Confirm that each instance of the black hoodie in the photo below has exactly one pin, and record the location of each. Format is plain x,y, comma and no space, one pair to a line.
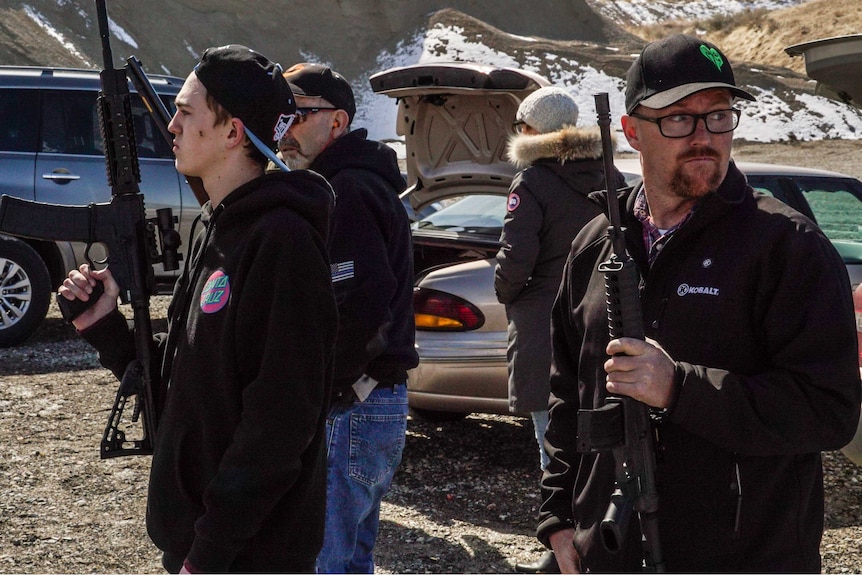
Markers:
372,261
238,480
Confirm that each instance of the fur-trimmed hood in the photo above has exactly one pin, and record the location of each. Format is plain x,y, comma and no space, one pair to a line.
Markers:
570,143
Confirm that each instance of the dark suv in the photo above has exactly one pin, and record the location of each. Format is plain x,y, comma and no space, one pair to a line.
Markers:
51,151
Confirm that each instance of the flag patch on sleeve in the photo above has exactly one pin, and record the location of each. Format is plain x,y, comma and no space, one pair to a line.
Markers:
341,271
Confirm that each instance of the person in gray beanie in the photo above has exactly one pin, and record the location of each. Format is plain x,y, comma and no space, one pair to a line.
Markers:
548,109
560,164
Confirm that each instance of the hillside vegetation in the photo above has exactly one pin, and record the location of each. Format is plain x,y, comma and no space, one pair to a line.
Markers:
168,35
760,36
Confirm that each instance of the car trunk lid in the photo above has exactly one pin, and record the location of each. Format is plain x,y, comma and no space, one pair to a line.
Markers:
456,118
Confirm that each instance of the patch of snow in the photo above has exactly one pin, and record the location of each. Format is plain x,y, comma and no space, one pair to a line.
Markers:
654,11
43,23
772,118
120,34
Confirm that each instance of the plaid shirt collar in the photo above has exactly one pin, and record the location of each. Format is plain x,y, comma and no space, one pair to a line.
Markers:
654,238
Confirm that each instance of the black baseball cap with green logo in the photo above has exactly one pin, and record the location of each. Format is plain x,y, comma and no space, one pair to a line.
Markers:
668,70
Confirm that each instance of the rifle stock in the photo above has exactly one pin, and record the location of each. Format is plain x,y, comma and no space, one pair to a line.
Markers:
120,224
623,424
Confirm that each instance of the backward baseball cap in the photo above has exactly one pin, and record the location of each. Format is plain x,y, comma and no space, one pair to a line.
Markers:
670,69
250,87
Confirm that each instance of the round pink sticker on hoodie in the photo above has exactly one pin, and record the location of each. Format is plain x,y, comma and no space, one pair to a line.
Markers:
216,292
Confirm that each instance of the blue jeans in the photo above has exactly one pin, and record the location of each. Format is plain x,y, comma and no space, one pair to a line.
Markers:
365,442
540,424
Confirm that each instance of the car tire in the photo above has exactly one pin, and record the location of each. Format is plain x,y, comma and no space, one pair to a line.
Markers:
433,416
25,291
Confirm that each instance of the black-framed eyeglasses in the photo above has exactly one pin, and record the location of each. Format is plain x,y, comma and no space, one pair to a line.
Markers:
518,126
683,125
302,114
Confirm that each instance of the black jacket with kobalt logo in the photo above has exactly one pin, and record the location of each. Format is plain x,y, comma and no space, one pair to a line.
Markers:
753,303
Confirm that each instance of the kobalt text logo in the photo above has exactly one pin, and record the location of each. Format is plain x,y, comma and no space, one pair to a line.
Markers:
685,289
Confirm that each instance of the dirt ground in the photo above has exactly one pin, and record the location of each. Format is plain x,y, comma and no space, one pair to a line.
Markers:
464,499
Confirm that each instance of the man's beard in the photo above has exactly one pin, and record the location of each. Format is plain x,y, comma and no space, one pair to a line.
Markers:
295,160
690,187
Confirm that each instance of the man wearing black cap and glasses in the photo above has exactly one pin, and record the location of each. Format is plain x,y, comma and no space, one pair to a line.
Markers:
238,472
749,371
372,274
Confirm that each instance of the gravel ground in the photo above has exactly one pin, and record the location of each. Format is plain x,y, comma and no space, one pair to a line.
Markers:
463,501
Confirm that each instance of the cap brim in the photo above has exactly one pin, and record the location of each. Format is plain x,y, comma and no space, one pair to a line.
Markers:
674,95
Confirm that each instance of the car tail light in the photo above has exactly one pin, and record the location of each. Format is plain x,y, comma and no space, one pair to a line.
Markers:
441,311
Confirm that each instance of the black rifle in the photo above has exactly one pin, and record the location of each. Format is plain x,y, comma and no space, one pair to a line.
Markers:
129,236
623,424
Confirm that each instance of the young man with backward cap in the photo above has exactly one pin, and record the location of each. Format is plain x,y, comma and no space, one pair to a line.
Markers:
372,274
239,465
749,367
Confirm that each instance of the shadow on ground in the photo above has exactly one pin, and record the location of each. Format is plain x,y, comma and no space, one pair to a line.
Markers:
466,487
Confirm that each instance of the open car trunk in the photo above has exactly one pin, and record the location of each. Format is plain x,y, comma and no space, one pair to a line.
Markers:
456,119
835,63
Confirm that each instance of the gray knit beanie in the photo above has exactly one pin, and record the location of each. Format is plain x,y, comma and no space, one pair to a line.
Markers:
548,109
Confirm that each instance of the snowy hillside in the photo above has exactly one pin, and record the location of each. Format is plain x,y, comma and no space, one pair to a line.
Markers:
652,11
777,115
784,111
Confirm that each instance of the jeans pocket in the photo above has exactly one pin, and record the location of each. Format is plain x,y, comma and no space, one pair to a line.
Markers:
376,444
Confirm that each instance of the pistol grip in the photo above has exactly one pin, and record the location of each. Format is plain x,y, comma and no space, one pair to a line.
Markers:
71,309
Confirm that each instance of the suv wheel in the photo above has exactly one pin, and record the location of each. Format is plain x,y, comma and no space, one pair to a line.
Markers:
25,291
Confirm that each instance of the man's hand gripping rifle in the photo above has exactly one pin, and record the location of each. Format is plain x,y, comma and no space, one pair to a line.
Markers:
623,424
129,236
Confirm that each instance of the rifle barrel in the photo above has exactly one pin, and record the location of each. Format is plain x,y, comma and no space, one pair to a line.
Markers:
603,111
102,13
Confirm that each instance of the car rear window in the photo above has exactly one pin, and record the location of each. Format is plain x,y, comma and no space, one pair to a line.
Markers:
837,206
477,214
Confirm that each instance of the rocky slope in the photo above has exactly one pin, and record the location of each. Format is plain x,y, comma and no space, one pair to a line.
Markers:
757,35
584,45
168,35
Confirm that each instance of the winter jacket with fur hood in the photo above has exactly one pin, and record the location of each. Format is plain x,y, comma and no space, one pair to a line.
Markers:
547,207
